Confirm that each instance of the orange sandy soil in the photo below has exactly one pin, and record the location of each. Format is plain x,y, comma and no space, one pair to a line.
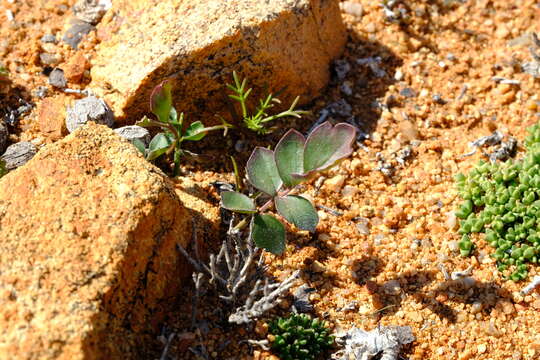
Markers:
410,228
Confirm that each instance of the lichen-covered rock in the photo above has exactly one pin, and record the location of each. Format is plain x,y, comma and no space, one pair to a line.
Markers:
18,154
88,259
88,109
279,45
134,132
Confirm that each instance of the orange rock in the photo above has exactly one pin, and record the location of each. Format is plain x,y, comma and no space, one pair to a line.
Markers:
278,45
75,68
88,259
51,116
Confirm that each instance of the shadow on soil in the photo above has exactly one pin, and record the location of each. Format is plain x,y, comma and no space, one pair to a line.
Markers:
366,102
413,284
14,103
131,315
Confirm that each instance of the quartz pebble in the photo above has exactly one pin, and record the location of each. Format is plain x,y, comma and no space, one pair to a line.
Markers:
352,8
134,132
57,78
88,109
18,154
335,183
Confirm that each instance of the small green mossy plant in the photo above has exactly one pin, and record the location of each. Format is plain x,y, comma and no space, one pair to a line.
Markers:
502,200
256,120
173,135
299,337
276,174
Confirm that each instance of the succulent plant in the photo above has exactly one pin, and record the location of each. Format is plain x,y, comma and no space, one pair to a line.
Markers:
170,140
277,173
255,121
502,200
299,337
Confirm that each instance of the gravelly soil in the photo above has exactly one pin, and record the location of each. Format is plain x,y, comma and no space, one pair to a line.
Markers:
429,91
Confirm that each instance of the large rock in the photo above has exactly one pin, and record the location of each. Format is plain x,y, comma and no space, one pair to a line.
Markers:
278,44
88,259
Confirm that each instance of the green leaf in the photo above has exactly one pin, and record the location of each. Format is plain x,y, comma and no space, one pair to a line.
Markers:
161,101
262,171
139,145
144,122
195,132
289,156
237,202
158,146
297,210
268,233
327,144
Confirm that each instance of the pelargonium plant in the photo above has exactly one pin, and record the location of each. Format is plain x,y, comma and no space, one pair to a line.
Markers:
174,134
276,174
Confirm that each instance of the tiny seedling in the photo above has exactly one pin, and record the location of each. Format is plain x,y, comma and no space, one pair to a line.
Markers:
255,121
3,169
173,135
277,174
299,337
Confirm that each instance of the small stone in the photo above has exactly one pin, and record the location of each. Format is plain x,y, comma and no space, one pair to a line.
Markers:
91,11
476,307
57,79
51,114
48,39
75,68
408,92
392,287
261,328
134,132
342,68
398,76
370,27
88,109
49,59
482,348
318,267
409,130
340,107
76,32
362,225
4,134
451,220
352,8
18,154
346,88
508,308
502,32
349,190
334,184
